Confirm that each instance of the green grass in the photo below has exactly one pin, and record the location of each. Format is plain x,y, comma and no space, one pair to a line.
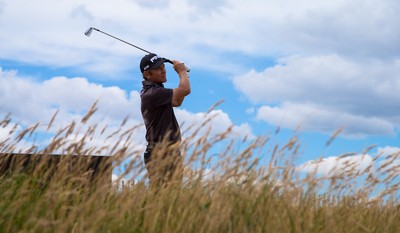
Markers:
244,195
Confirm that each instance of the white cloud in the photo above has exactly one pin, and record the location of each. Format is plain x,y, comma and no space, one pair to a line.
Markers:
216,122
355,28
153,4
208,7
29,102
349,48
321,119
334,78
32,101
388,150
2,5
82,11
383,166
37,102
6,130
332,166
327,92
200,33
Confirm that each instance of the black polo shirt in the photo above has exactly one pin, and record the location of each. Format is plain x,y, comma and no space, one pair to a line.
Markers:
158,113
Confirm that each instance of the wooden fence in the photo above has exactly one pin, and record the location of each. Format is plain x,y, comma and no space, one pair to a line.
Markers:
95,169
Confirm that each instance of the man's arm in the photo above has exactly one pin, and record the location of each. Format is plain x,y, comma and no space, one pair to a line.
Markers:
183,88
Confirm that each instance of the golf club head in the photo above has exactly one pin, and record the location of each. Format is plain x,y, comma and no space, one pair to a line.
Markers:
88,32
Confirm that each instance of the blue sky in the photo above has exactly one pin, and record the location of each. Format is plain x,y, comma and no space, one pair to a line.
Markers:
307,67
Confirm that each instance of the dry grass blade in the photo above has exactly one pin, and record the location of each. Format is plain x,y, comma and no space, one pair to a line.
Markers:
52,120
92,110
346,155
368,149
214,106
29,130
333,136
5,121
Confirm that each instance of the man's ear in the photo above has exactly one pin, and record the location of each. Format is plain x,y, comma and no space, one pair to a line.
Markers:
146,74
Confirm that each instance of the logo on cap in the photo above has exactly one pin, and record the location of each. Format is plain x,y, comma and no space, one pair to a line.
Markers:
150,61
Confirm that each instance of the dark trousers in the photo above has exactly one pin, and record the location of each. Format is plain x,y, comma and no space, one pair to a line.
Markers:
164,164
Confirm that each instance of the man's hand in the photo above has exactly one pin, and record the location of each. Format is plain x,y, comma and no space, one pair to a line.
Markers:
183,88
179,66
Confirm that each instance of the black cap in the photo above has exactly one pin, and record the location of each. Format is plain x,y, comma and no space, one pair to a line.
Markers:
151,61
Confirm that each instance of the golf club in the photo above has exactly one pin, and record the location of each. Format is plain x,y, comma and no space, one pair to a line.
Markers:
90,30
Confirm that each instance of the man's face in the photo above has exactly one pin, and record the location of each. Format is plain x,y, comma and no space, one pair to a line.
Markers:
157,75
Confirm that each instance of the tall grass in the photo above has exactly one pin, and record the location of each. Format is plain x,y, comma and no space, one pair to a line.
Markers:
253,189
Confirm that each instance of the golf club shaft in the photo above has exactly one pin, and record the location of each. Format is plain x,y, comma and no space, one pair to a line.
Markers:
126,42
89,31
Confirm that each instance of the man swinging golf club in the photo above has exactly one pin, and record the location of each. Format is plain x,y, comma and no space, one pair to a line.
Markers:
162,156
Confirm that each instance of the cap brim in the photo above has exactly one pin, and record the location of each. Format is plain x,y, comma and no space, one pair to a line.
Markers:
157,64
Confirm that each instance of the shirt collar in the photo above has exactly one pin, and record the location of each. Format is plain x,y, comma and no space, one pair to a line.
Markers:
148,84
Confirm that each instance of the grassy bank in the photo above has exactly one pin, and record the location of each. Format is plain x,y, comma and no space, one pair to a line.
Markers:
243,194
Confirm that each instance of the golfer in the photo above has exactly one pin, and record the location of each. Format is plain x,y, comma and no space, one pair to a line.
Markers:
162,156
